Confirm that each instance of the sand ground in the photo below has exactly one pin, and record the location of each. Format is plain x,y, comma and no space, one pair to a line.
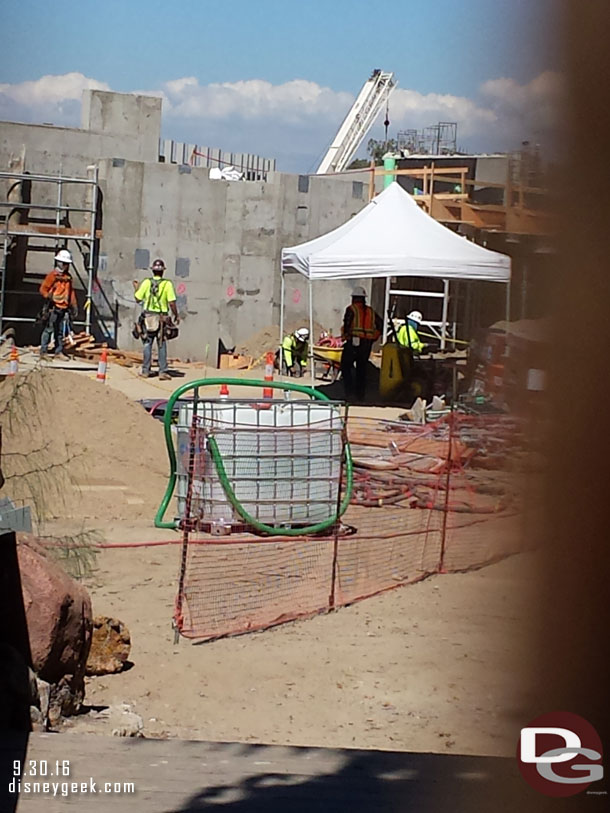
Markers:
434,666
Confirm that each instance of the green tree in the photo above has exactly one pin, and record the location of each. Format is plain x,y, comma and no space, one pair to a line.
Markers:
377,149
360,163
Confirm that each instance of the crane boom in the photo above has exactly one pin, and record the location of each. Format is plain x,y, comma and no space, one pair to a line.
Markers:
374,94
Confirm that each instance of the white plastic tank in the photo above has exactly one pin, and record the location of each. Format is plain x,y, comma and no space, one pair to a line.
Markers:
282,460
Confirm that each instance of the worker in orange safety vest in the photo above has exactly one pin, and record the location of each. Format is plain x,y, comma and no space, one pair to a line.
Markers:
361,327
60,305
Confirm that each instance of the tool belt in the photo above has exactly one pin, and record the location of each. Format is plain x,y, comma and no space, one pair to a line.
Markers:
150,322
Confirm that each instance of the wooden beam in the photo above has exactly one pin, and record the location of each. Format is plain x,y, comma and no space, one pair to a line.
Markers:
417,173
52,231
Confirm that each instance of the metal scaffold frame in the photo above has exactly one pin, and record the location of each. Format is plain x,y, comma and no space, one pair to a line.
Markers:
50,231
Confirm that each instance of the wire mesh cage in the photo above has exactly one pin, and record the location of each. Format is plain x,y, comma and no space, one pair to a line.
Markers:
242,463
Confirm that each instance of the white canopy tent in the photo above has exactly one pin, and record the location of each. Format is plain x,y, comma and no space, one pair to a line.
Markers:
392,237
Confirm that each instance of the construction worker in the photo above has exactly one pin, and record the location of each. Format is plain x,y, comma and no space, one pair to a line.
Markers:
60,304
158,297
361,327
295,350
408,335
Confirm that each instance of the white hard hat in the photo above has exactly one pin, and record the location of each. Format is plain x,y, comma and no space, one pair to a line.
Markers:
63,256
359,291
416,316
302,333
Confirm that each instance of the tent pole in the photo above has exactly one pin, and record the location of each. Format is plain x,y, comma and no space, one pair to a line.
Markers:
445,310
282,295
386,309
311,337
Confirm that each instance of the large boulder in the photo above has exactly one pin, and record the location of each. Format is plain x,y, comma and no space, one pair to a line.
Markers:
59,621
110,646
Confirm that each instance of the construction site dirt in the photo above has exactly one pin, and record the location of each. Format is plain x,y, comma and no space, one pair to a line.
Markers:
430,666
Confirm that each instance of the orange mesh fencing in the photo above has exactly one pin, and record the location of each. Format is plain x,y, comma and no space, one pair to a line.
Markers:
433,498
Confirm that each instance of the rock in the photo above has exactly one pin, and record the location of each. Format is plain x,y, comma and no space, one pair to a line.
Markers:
110,646
58,612
66,698
123,721
36,719
44,694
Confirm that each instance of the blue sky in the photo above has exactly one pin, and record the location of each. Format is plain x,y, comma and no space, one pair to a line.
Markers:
277,77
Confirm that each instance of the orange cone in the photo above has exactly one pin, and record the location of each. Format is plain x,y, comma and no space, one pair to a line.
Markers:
101,367
13,365
268,391
224,391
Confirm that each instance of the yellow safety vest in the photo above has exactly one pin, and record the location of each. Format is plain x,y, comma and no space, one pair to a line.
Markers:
412,340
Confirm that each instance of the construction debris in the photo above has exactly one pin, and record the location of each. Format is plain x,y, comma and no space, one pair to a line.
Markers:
232,361
84,346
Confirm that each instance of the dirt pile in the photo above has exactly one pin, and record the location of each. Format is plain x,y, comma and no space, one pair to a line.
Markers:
268,338
74,448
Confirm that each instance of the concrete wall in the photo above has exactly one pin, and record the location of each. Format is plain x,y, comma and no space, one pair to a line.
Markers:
134,120
221,242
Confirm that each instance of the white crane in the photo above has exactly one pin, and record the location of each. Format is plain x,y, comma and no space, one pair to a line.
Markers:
374,94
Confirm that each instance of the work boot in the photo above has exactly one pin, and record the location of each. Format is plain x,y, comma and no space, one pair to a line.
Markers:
145,375
64,356
165,377
46,357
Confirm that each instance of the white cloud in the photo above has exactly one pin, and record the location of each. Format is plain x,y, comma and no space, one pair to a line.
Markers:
532,108
299,116
50,98
412,110
291,102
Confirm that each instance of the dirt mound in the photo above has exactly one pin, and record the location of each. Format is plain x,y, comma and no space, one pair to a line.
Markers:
268,338
73,448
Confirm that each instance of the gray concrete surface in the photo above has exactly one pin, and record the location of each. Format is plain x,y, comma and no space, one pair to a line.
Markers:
176,775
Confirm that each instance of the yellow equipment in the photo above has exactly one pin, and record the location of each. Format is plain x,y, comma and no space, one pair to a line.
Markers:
396,365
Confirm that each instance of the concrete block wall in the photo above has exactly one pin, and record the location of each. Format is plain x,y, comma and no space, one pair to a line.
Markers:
221,242
131,118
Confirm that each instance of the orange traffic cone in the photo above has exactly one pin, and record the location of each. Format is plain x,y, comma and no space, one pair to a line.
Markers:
13,365
224,391
101,367
268,391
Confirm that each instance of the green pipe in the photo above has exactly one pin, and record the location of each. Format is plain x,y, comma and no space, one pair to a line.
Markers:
214,382
269,529
389,162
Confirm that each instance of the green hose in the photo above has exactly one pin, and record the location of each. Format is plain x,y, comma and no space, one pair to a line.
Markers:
215,382
269,529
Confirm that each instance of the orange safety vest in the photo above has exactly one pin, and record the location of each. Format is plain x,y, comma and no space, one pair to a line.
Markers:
363,324
57,286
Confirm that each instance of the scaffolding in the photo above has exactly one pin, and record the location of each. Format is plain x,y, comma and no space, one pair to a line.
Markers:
52,225
437,139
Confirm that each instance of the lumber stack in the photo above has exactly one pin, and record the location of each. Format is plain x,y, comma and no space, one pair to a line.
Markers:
85,347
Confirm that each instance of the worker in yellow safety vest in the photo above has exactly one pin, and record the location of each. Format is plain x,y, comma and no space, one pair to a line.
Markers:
408,335
361,327
295,349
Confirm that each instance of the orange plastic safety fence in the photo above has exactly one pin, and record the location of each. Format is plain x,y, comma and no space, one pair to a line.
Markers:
428,498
